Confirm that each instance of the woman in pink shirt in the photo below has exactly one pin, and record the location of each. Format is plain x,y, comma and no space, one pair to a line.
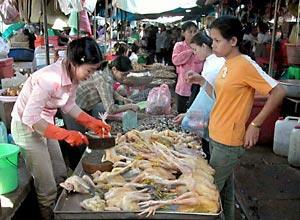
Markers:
33,114
185,60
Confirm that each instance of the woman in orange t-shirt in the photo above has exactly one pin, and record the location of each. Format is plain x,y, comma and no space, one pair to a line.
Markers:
234,88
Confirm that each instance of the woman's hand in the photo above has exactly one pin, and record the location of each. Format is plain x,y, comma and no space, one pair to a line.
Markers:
194,78
96,125
178,119
251,136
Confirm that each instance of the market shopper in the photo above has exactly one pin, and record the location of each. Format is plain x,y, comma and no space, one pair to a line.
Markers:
32,124
184,59
201,45
235,86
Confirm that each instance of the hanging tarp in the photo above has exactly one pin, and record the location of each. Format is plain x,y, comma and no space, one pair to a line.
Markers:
153,6
120,15
31,11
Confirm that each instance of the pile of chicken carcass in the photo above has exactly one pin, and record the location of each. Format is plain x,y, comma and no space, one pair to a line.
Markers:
152,170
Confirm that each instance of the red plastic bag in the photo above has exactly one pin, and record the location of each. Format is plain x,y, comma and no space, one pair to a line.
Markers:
159,100
9,12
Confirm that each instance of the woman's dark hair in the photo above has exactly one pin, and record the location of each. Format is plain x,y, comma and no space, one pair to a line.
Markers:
122,63
84,50
229,27
80,51
121,48
263,27
247,29
134,48
202,38
187,25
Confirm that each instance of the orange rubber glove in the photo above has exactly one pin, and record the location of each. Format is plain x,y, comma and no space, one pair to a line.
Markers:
74,138
99,127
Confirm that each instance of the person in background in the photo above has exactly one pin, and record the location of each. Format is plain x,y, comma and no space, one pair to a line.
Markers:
201,44
248,33
235,87
121,66
158,43
163,43
169,45
263,35
184,59
133,57
151,43
263,38
32,124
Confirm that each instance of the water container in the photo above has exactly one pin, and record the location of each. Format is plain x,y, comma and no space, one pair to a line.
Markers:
283,129
129,120
294,147
62,54
3,133
40,56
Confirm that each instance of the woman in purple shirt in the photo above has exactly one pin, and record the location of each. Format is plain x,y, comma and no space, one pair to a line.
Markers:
32,124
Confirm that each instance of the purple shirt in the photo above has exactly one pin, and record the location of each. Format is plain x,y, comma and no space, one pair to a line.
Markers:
43,93
184,59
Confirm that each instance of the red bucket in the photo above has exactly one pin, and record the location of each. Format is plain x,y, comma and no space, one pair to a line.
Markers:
39,41
6,68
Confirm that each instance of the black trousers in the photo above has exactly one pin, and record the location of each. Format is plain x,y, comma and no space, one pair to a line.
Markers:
195,90
182,103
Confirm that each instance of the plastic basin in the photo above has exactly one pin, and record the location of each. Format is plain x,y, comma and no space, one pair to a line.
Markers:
8,168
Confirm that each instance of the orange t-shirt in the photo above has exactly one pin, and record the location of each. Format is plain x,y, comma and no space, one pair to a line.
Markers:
235,87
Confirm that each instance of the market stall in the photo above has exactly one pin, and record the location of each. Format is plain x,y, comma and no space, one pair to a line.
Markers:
151,171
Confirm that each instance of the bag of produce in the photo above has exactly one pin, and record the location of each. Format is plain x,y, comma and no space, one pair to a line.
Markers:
159,100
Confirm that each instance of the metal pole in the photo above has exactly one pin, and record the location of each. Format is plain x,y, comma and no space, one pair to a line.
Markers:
95,24
272,52
46,30
106,15
111,24
116,14
78,26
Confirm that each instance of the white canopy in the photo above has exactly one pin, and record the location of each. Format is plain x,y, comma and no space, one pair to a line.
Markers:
153,6
165,20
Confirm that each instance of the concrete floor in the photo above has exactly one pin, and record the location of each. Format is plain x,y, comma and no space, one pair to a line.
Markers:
267,187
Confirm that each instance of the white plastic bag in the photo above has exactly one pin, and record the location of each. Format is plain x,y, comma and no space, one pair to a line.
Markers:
65,6
4,48
9,12
197,117
76,5
90,5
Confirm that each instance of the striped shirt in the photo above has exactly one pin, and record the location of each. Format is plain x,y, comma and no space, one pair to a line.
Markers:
99,88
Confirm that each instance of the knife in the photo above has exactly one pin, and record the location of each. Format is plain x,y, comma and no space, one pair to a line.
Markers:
101,143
